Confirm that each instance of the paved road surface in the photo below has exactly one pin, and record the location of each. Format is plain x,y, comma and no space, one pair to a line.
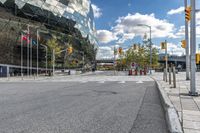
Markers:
81,107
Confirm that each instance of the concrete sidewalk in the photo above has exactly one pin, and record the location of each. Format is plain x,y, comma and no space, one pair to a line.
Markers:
188,107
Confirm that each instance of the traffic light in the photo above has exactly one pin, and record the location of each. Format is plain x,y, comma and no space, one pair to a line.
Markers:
135,47
164,58
188,13
197,58
115,51
69,50
120,50
183,45
163,45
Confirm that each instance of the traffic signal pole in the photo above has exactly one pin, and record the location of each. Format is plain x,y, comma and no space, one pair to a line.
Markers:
166,59
187,47
193,91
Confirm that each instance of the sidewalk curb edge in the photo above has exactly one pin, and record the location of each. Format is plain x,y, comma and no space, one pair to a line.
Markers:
173,122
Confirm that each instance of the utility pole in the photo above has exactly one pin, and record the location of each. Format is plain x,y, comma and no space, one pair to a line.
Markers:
166,58
187,47
53,59
114,62
193,91
150,52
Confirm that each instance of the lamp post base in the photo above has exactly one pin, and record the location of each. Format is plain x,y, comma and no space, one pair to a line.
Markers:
194,94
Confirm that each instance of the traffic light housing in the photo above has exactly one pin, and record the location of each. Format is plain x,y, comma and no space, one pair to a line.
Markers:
163,45
197,58
164,58
183,45
135,47
115,51
120,50
69,50
188,13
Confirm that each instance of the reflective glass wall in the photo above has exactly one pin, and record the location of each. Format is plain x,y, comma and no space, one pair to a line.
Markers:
80,11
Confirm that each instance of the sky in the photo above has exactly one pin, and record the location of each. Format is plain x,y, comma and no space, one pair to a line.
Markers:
116,24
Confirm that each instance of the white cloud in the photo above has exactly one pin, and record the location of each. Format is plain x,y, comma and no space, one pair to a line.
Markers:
176,11
105,36
127,28
174,49
105,53
97,11
198,18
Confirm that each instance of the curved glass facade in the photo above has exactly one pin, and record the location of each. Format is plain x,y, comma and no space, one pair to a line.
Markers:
59,11
71,22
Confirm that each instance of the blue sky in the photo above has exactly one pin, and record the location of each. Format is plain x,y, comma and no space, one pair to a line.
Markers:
116,19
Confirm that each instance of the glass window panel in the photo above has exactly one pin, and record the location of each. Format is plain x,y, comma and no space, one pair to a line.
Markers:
3,1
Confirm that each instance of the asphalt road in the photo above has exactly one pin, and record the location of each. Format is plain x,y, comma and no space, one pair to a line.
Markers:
77,107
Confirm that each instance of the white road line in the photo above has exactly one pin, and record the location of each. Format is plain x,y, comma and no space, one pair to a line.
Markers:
139,82
84,81
101,82
122,82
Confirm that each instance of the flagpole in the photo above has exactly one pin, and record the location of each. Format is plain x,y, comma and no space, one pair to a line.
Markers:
31,57
28,52
37,49
22,55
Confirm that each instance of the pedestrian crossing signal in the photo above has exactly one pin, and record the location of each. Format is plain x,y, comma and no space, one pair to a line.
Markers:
197,58
120,50
69,50
163,45
183,45
188,13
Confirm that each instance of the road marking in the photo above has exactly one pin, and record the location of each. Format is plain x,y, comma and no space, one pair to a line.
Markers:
139,82
122,82
84,81
101,82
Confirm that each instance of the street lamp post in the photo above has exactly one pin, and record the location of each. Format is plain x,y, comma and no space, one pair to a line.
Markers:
150,41
38,32
46,55
187,47
53,58
193,90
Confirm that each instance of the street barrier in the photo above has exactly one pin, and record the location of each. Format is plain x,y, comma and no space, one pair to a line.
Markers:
170,80
174,76
164,75
140,72
145,72
130,72
136,73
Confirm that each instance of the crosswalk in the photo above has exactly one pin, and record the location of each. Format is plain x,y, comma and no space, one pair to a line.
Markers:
104,82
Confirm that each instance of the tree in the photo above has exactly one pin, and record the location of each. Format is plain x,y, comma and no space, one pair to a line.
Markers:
141,56
53,46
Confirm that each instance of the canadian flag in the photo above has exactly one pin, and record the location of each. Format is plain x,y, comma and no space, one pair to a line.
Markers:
25,37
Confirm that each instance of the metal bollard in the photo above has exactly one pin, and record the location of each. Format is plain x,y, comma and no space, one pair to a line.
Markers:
164,75
170,80
174,76
8,76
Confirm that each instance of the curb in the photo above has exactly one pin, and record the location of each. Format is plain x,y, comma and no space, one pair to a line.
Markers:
171,115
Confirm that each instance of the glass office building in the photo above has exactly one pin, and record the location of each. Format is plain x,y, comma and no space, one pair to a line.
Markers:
59,18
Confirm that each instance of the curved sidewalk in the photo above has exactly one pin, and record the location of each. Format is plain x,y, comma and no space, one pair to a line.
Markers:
187,107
